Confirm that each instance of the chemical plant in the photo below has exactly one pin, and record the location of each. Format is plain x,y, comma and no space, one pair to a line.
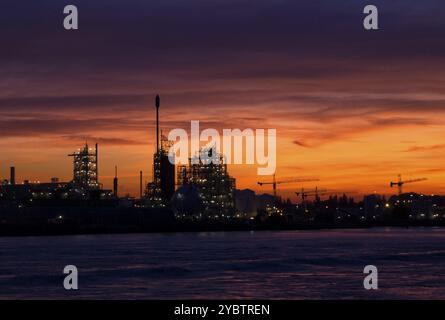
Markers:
213,184
200,194
84,185
159,192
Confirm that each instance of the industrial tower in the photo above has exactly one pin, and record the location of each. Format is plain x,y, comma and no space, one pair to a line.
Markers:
85,167
161,189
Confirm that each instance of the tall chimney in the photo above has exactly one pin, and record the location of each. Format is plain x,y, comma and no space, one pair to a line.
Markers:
115,182
158,104
140,184
97,163
12,176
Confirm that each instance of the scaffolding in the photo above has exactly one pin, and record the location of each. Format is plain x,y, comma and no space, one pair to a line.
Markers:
85,167
216,187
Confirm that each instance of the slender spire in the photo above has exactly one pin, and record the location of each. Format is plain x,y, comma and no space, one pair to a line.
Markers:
115,182
97,163
140,184
158,104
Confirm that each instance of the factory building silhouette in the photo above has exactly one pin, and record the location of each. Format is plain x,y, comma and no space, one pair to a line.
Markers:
205,188
86,167
212,184
201,190
161,189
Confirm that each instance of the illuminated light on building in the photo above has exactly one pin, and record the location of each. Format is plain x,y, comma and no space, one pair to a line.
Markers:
213,182
85,168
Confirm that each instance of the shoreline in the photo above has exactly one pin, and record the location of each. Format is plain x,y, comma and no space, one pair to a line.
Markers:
199,228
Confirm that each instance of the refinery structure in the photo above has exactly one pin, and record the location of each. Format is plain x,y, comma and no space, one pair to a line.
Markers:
205,189
159,192
212,186
211,180
83,186
85,167
202,190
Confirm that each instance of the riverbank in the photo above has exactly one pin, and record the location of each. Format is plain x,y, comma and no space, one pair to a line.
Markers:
60,229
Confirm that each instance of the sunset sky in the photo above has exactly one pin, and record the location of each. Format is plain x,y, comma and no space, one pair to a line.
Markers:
352,107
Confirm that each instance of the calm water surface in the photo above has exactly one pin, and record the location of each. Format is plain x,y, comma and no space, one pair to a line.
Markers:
257,265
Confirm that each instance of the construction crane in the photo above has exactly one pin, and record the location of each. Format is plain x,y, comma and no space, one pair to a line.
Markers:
307,193
274,182
400,183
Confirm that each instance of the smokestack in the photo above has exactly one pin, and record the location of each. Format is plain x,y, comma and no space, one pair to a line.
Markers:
140,184
12,176
158,104
115,182
97,163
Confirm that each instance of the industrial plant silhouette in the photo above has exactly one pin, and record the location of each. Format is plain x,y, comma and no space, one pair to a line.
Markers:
196,196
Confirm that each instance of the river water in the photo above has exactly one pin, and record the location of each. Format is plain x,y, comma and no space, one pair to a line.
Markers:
322,264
